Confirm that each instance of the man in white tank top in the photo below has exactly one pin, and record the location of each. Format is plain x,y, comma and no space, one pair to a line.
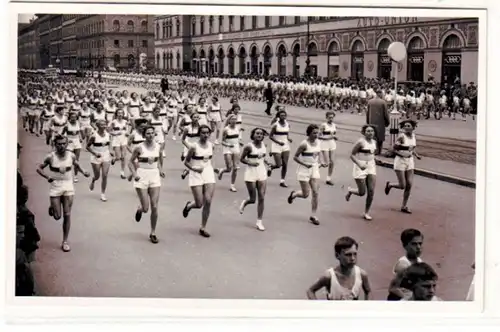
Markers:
347,280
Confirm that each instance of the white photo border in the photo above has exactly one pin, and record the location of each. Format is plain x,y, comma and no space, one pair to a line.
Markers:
43,308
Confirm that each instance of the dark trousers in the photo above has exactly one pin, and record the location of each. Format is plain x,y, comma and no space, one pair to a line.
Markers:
269,106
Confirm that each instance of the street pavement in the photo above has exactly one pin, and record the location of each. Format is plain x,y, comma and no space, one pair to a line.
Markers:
112,257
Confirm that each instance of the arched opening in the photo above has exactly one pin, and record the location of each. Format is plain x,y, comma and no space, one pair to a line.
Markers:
116,60
144,26
220,56
131,61
157,30
171,60
211,57
203,62
357,60
242,54
384,60
415,60
116,25
164,61
178,64
194,57
230,61
267,60
157,60
282,60
296,59
452,59
312,51
130,26
333,59
254,60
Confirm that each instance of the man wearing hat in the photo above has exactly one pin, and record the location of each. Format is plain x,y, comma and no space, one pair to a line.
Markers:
378,116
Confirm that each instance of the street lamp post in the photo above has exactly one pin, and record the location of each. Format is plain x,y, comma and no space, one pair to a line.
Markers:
308,59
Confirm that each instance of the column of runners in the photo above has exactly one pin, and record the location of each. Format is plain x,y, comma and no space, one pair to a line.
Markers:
415,100
108,123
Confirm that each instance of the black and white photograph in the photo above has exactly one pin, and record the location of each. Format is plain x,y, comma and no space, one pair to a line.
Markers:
246,157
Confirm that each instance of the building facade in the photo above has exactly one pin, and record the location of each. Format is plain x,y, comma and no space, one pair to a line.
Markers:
114,40
337,46
72,41
28,45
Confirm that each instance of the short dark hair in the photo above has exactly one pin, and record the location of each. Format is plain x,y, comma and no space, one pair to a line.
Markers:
409,234
344,243
310,129
418,272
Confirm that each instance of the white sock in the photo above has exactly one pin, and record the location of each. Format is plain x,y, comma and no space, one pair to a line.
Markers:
328,178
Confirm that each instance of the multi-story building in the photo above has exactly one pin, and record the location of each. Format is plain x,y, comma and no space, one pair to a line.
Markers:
69,46
113,40
27,55
335,46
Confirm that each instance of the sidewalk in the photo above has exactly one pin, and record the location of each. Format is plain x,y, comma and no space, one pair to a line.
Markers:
443,170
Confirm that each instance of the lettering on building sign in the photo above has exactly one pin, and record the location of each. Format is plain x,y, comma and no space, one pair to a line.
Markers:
453,59
358,59
417,59
381,21
385,60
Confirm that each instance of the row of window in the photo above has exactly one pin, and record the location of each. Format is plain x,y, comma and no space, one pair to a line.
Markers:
130,43
130,26
90,29
167,26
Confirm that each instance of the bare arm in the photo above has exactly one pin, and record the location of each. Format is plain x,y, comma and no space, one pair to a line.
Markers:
302,147
41,167
323,282
354,152
366,284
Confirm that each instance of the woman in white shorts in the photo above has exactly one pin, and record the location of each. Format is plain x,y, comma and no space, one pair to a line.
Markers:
84,119
47,115
134,106
190,136
61,163
118,131
364,172
404,163
171,116
202,110
159,125
328,144
146,164
73,133
201,177
99,147
231,150
215,117
307,156
254,156
280,145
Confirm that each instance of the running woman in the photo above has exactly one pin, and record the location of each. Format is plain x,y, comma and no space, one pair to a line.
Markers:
202,110
61,163
307,156
231,150
118,132
47,115
98,146
328,139
172,116
159,125
280,145
412,241
201,177
404,163
364,171
215,117
146,165
190,136
347,280
84,118
73,133
253,155
58,122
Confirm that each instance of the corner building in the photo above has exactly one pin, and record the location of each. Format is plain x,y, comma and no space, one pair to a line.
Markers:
338,46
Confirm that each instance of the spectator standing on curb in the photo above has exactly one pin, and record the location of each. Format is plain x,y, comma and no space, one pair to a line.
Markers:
269,97
378,116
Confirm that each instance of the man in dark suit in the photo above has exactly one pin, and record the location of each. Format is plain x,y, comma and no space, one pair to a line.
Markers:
378,116
269,96
164,85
